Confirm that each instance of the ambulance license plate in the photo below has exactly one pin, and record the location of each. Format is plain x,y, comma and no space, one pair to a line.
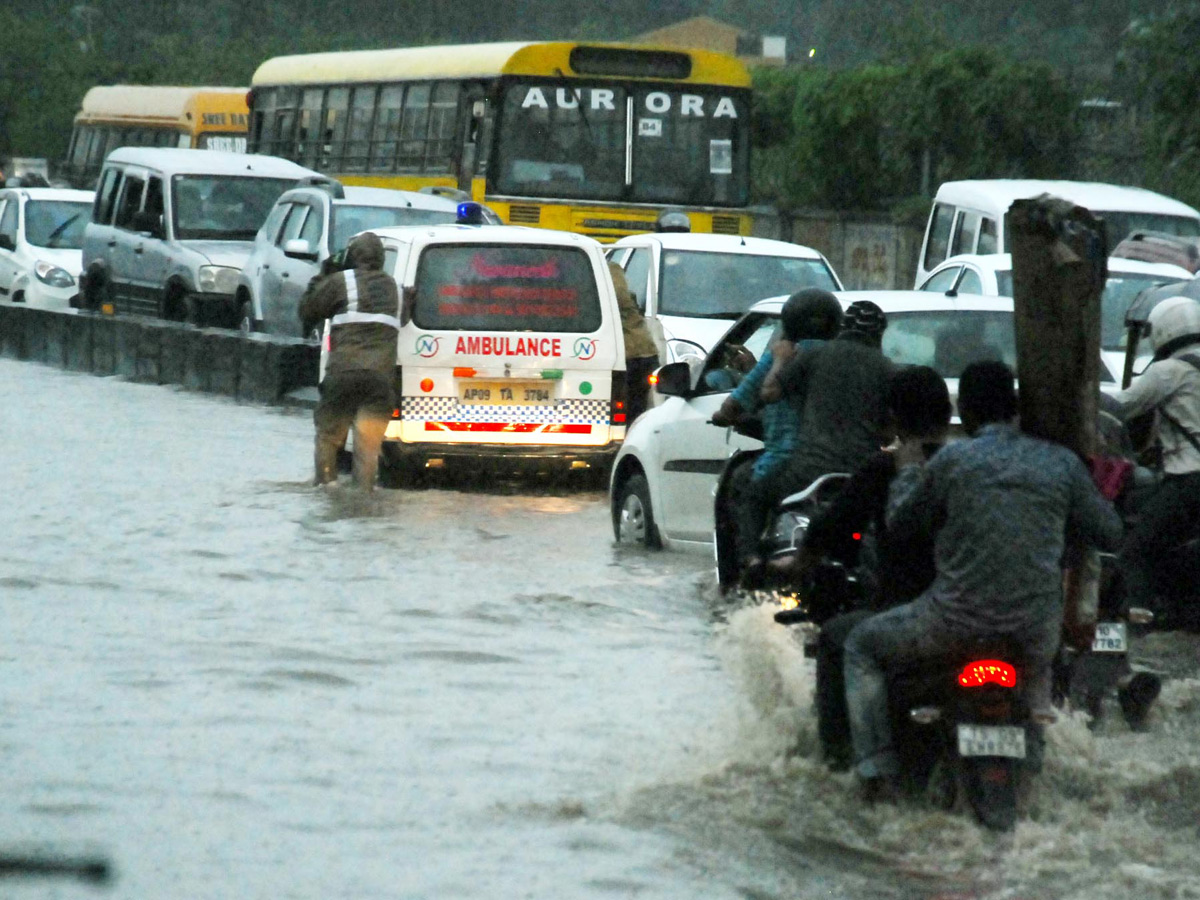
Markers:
991,740
1110,638
505,393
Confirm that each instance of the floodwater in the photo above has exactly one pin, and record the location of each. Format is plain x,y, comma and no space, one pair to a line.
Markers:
231,684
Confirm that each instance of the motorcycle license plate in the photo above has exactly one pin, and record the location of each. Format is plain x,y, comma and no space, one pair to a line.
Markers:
991,740
1110,638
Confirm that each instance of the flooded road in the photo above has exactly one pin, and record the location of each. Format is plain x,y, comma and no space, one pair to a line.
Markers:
234,685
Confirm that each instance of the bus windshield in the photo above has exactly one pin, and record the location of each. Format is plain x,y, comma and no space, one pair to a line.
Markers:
223,207
56,223
480,287
579,140
725,285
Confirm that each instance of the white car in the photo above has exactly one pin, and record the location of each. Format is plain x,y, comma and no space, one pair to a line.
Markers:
991,275
692,286
41,233
664,477
305,227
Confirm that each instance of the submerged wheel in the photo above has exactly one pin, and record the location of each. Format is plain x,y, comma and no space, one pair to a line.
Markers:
633,515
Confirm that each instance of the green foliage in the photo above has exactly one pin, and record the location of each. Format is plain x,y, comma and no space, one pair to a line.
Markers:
866,138
1160,71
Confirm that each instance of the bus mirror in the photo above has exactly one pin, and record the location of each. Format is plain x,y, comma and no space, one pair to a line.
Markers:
298,248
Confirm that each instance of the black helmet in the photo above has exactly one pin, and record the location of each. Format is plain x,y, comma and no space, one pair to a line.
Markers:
865,318
811,314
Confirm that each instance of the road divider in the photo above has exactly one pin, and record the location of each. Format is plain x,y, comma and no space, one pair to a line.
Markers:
258,368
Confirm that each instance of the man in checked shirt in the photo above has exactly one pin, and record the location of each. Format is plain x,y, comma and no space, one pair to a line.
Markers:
1002,506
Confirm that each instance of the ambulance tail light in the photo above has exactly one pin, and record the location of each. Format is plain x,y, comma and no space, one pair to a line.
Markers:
397,390
618,404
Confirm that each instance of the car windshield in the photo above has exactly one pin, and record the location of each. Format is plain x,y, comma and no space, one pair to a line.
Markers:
1119,225
350,220
223,207
56,223
950,339
506,287
608,141
1119,292
725,285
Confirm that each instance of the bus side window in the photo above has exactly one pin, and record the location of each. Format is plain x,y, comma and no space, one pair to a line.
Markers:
106,196
358,131
987,236
938,239
964,234
443,123
414,127
387,128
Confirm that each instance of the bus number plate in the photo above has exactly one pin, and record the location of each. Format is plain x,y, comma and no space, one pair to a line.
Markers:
505,393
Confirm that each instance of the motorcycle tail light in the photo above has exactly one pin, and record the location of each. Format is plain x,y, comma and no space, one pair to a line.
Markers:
987,671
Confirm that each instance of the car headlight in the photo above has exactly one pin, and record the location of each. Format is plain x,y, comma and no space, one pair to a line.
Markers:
218,279
55,276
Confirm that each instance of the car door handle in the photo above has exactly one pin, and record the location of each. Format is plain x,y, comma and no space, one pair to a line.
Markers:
266,266
138,249
112,243
285,275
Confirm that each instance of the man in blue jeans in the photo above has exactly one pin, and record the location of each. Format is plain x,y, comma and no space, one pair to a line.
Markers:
808,318
1001,506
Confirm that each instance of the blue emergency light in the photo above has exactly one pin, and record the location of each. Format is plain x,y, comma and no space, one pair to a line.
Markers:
470,213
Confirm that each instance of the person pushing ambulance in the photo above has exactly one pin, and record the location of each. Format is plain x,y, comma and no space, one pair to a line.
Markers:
362,305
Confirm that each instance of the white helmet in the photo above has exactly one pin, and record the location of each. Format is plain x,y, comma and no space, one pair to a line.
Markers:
1172,319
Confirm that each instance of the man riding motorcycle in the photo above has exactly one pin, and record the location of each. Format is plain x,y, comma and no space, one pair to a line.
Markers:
1170,387
1001,506
808,319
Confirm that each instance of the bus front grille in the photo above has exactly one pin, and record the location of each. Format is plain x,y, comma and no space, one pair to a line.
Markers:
725,224
524,215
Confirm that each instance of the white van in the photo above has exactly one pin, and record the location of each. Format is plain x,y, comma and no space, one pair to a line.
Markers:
969,216
510,346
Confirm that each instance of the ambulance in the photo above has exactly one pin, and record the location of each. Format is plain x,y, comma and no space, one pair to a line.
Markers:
510,347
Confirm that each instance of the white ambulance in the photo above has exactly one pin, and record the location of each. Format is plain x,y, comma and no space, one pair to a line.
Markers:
510,346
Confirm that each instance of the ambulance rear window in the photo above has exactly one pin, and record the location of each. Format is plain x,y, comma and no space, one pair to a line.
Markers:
486,287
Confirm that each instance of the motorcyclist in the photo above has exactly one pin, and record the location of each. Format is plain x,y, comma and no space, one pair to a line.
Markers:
808,318
840,392
1170,387
1001,506
363,306
902,564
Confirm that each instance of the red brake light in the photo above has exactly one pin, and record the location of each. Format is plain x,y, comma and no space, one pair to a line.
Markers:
988,671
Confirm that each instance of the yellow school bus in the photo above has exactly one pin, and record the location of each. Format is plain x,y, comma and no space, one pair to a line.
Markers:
592,138
129,115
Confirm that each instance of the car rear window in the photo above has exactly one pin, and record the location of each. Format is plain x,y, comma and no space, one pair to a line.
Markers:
484,287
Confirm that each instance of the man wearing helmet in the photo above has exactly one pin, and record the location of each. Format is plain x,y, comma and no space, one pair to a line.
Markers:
363,306
1170,386
808,319
839,391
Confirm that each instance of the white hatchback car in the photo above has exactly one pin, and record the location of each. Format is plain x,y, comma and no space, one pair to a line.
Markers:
991,275
665,475
306,226
41,236
692,286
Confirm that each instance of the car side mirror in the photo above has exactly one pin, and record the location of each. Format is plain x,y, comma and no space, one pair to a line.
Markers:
7,242
298,248
674,380
151,223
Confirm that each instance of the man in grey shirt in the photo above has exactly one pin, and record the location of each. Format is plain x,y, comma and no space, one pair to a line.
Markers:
1002,505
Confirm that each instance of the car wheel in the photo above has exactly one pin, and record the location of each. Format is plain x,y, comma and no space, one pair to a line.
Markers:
397,470
633,515
175,307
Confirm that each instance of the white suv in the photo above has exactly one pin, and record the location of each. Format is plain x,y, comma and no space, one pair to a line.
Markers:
41,232
692,287
171,229
306,226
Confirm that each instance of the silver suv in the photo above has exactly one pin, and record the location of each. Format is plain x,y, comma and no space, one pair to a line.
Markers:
171,230
308,225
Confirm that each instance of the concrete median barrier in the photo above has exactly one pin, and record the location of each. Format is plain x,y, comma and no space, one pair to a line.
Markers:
255,368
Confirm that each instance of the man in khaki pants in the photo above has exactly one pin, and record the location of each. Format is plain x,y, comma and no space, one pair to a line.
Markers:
363,308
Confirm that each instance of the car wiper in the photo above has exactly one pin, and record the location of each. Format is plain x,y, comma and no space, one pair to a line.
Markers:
57,232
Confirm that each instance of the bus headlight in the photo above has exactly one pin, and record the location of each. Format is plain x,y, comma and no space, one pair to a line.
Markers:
218,279
55,276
